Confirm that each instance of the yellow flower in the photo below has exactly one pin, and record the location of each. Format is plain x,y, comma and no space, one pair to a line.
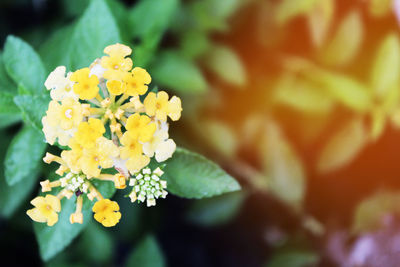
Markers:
175,108
131,146
116,63
137,81
61,120
77,216
137,163
88,132
86,85
119,181
160,145
132,151
60,86
116,87
106,212
70,113
158,105
46,209
98,157
140,127
72,157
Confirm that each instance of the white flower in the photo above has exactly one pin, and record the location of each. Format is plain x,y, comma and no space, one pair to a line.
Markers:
160,145
60,86
52,133
96,69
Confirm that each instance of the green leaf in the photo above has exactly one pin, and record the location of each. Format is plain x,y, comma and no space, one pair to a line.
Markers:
95,30
24,65
302,95
151,17
96,244
385,74
288,9
194,43
148,21
33,108
368,214
283,168
343,146
147,254
54,239
191,175
6,84
7,105
211,15
320,19
11,197
293,258
177,73
220,136
216,210
346,90
54,51
380,8
224,62
23,155
378,123
349,35
9,119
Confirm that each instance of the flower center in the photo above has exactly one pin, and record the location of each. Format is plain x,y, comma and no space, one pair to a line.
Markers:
48,207
68,113
116,67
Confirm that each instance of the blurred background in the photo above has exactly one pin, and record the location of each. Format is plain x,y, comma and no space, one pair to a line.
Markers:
299,100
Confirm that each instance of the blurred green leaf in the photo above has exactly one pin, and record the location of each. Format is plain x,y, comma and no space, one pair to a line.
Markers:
194,43
344,89
343,146
147,254
6,84
54,51
9,119
7,105
294,258
191,175
283,168
380,8
349,35
368,214
320,19
220,136
33,108
224,62
175,72
385,75
148,20
302,95
216,210
96,244
11,197
288,9
23,155
54,239
378,123
120,12
95,30
24,65
74,7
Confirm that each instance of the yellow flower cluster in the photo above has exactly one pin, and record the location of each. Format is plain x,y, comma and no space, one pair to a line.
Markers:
111,127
